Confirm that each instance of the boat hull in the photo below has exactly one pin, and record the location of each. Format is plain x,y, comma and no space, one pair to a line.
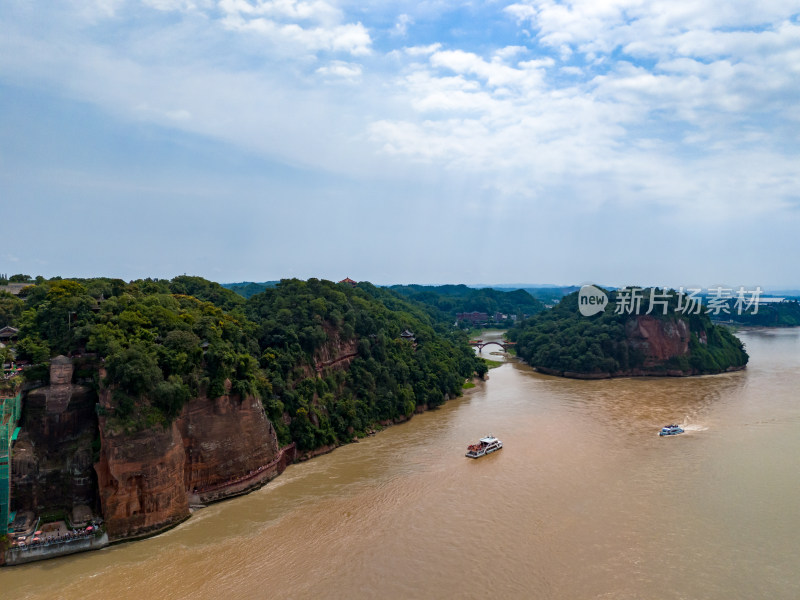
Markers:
672,432
480,453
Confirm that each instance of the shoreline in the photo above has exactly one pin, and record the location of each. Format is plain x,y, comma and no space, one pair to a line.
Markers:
384,425
196,502
633,373
755,328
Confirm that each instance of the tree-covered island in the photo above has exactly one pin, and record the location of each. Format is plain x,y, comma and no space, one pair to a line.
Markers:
659,339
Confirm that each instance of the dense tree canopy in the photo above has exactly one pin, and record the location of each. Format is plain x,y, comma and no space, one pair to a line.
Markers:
782,314
246,289
10,309
161,342
159,346
388,376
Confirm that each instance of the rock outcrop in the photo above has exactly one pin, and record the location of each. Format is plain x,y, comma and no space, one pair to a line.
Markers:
140,478
215,449
142,482
658,339
224,439
336,353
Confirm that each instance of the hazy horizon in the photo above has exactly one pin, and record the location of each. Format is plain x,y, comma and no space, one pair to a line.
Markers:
479,285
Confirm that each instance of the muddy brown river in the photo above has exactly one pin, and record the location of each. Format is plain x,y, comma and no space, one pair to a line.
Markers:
584,501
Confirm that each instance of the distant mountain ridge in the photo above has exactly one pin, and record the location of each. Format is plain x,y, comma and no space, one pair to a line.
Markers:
452,300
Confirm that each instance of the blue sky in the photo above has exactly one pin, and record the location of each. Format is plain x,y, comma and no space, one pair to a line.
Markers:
619,141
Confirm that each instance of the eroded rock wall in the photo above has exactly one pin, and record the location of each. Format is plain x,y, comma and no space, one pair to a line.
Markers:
140,478
658,339
224,439
146,478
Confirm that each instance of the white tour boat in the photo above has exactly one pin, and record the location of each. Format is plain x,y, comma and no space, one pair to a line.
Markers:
486,445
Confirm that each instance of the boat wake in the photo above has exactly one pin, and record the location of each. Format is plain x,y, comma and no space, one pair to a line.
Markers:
686,426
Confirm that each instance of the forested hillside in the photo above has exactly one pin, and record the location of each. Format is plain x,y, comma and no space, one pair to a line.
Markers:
781,314
389,377
449,300
326,359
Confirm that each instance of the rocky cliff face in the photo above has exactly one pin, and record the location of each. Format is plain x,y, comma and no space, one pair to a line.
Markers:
657,339
142,480
145,479
52,459
140,477
224,439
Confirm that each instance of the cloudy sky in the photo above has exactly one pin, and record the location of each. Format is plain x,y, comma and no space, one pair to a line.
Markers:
541,141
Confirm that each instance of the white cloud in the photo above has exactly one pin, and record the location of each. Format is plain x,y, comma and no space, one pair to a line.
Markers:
621,103
179,114
495,73
350,38
341,69
509,52
401,25
314,26
179,5
700,87
422,50
318,10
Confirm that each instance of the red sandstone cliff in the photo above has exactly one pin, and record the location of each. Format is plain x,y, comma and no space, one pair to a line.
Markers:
219,448
224,439
336,353
658,339
140,480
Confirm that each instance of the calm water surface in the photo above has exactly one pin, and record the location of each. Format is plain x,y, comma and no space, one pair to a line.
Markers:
584,501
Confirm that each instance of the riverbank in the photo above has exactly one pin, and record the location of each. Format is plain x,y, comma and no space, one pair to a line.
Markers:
475,384
201,497
247,483
634,373
581,488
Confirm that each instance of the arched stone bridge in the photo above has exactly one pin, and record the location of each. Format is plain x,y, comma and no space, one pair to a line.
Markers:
480,344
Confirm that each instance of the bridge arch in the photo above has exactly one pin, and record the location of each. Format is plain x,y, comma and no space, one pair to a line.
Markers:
480,344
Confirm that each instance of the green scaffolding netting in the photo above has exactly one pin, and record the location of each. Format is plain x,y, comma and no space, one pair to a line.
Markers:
9,416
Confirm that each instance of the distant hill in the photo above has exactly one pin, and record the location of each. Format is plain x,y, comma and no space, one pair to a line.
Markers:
249,288
547,293
779,314
551,294
453,299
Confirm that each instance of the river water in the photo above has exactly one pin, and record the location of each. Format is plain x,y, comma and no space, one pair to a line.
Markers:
584,501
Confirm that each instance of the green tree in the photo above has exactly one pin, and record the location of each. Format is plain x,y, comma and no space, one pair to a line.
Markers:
10,309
